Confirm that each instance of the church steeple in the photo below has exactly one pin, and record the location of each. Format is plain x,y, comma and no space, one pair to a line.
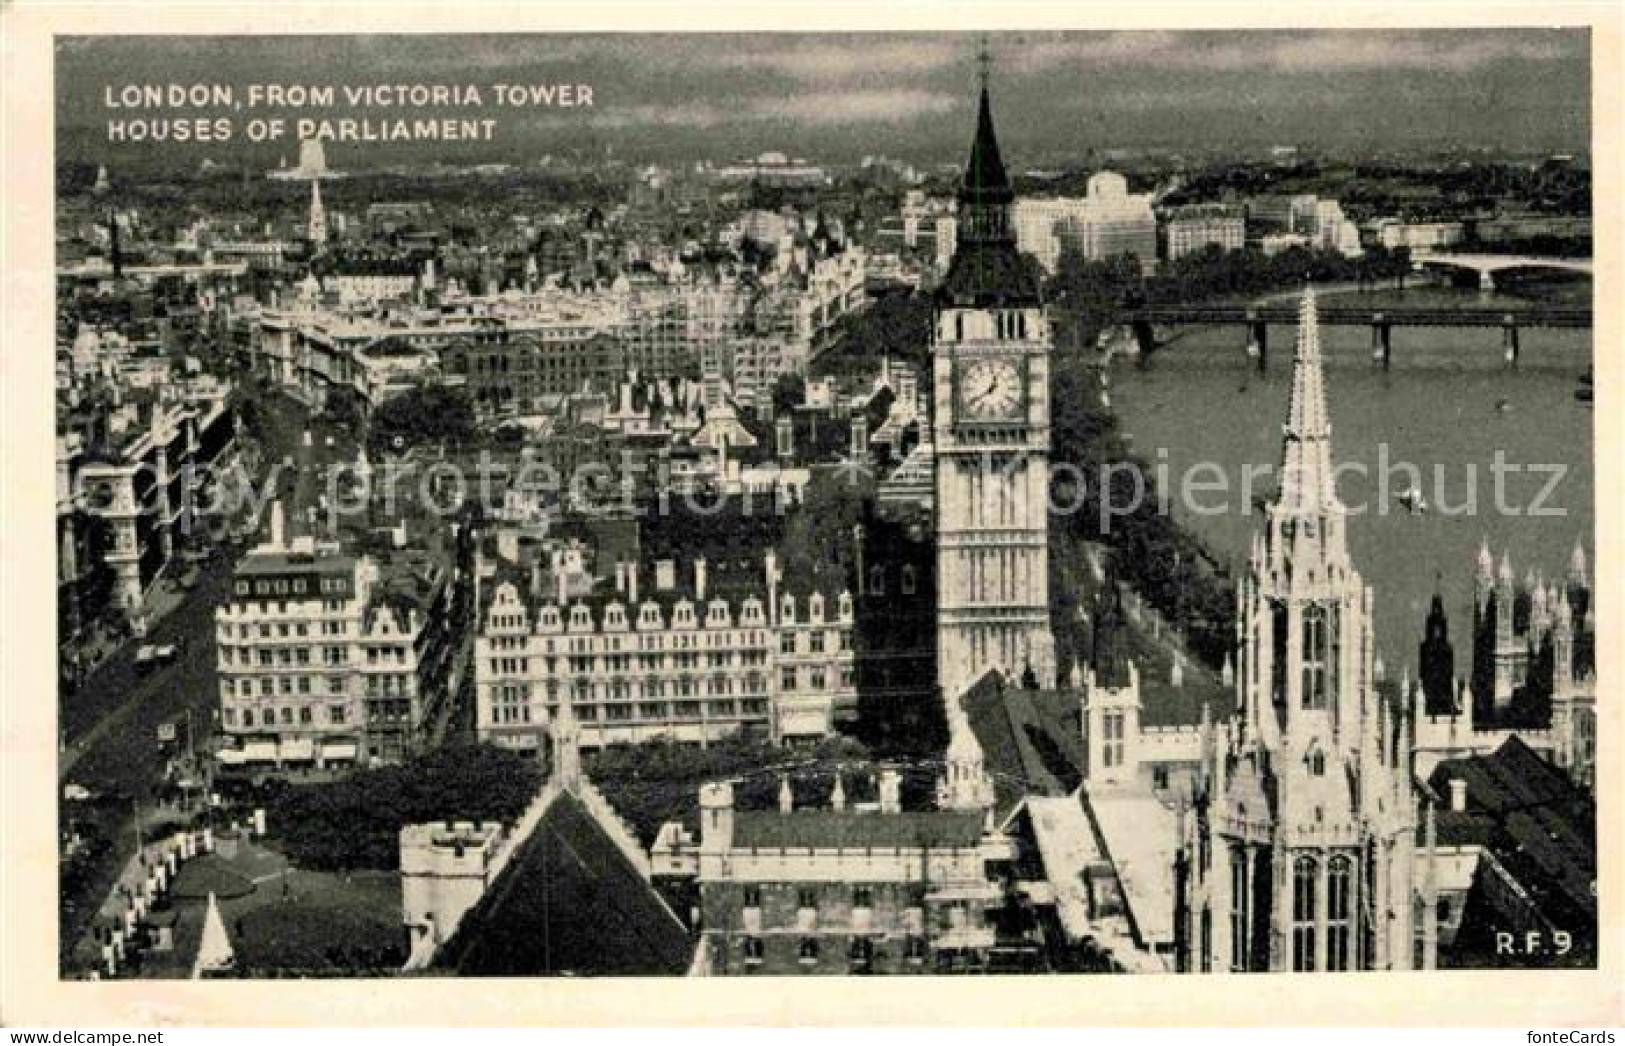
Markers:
316,226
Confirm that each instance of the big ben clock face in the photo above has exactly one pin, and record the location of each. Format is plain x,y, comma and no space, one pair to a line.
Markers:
990,389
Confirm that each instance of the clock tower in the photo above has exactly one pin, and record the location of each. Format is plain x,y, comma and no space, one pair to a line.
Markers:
991,419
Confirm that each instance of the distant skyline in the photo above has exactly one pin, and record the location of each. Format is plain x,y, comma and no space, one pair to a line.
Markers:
907,95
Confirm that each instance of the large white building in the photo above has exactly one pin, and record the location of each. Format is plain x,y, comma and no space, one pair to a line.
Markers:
325,657
1194,229
693,656
1106,222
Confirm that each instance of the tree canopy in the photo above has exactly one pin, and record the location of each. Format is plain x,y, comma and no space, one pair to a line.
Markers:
355,822
428,414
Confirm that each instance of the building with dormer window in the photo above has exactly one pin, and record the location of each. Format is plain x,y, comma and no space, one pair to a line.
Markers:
327,658
694,656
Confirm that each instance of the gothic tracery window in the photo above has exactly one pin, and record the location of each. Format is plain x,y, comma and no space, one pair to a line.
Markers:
1305,872
1339,912
1240,897
1319,655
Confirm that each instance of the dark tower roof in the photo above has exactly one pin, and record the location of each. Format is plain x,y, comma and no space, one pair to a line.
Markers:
987,270
1437,624
985,178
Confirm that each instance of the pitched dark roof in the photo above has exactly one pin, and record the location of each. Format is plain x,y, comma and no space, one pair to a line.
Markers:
1539,824
846,829
569,903
989,275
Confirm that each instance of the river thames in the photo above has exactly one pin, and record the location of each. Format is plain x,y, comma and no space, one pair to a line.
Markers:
1448,406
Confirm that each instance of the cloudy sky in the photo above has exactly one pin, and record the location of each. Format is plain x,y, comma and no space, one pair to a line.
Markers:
1056,94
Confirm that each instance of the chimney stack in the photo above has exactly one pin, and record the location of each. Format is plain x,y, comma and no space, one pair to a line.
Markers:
1458,795
785,437
891,792
699,580
632,583
787,798
837,798
716,817
277,526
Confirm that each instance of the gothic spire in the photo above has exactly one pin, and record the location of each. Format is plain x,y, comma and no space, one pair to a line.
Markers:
985,178
987,271
1306,467
316,227
986,196
1438,626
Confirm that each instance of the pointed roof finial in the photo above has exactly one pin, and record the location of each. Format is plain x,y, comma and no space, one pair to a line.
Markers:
1306,472
984,62
1577,562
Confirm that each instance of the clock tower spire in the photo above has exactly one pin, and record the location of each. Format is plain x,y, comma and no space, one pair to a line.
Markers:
990,377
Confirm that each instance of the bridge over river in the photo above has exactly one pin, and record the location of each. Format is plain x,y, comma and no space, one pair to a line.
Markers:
1256,318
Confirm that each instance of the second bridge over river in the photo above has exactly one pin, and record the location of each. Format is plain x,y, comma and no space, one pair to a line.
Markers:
1255,319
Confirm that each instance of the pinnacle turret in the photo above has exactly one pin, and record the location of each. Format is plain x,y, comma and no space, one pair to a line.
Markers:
1577,565
316,227
1306,468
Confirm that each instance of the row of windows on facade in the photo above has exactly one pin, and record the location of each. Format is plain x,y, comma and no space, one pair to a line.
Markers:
717,612
378,712
573,360
282,607
291,586
284,630
337,715
508,715
860,951
747,649
1306,917
1007,326
1320,654
807,896
284,657
813,679
269,686
748,644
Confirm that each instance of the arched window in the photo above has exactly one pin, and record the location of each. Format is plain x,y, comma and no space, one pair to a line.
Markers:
1319,661
1317,763
909,582
1305,872
1339,912
1240,902
877,580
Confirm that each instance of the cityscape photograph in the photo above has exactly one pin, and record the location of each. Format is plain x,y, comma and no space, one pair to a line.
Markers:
824,504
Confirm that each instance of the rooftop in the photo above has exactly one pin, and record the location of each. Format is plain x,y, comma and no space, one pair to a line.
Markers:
569,902
851,830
